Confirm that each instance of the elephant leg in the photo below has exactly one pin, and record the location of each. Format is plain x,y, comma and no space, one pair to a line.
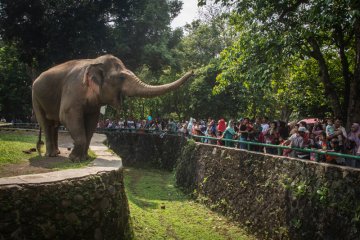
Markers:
47,126
91,121
74,122
56,136
51,139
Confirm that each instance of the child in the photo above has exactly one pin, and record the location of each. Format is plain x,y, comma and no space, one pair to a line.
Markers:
330,129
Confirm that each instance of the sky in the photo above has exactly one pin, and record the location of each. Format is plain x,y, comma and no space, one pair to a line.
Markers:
187,14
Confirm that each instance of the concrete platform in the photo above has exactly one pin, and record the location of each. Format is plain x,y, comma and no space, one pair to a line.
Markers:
106,161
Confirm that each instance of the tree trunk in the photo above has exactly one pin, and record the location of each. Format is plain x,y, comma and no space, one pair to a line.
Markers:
347,76
330,90
285,113
354,94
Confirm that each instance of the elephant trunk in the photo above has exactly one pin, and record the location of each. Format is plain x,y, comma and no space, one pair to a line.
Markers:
136,88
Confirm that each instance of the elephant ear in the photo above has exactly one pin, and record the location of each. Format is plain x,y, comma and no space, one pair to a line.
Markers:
93,78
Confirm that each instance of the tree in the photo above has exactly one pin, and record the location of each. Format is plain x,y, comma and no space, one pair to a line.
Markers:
308,29
15,89
49,32
52,31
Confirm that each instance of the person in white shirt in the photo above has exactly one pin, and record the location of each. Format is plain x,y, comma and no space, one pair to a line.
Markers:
264,125
340,132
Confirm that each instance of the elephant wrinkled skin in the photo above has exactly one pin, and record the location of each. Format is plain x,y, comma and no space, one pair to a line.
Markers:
73,92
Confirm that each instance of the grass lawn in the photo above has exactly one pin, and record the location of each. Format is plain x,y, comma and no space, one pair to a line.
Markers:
161,211
12,145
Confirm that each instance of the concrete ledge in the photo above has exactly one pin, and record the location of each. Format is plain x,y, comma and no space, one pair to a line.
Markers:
86,203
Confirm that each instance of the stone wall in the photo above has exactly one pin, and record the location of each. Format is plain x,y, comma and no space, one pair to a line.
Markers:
275,197
141,149
90,207
84,203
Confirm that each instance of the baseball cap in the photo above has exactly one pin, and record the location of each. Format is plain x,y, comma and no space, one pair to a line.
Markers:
302,129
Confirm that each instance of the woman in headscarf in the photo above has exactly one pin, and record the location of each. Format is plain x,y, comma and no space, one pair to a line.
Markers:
229,133
353,143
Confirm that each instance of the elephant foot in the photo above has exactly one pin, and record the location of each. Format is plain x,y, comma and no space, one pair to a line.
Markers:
51,154
75,158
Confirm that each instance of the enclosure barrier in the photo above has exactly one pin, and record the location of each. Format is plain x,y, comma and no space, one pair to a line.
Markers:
83,203
279,148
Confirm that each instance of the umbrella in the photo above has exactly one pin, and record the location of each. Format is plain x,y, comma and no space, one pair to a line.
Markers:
309,120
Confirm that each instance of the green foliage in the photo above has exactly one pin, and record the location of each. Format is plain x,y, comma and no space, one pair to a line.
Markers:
44,33
322,194
160,211
15,85
54,31
276,40
281,59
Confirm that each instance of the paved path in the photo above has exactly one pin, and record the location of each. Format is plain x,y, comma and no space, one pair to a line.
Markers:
105,161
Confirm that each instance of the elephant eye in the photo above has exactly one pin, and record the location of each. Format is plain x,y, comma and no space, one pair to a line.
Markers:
122,78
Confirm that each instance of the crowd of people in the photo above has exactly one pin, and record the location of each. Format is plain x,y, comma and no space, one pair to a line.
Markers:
326,135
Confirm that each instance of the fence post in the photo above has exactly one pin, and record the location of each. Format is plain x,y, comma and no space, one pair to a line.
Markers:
317,159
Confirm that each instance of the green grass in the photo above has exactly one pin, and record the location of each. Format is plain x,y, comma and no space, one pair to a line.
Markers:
161,211
71,165
12,145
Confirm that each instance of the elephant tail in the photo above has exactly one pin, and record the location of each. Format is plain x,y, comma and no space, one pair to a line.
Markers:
39,143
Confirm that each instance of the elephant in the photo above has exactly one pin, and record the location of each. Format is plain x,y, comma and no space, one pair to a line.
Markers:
73,92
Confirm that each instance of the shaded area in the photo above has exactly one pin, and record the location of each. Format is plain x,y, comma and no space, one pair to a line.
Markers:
275,197
152,150
20,141
161,211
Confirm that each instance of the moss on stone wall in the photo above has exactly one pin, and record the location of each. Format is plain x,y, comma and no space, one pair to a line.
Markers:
93,207
275,197
185,171
155,150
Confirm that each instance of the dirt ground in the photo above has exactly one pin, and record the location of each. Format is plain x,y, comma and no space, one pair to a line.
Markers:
40,164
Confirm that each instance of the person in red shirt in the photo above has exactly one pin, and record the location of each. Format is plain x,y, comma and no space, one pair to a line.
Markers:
221,126
220,130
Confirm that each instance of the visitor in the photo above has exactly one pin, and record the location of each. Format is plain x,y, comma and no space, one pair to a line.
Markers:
183,129
353,144
295,141
221,126
211,131
229,134
190,125
172,126
265,124
245,129
283,130
334,147
318,128
293,128
271,136
330,129
340,133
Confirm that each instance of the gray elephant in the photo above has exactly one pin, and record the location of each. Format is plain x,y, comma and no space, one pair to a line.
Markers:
73,92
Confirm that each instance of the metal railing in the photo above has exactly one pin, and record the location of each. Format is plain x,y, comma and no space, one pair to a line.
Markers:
161,133
97,130
280,148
